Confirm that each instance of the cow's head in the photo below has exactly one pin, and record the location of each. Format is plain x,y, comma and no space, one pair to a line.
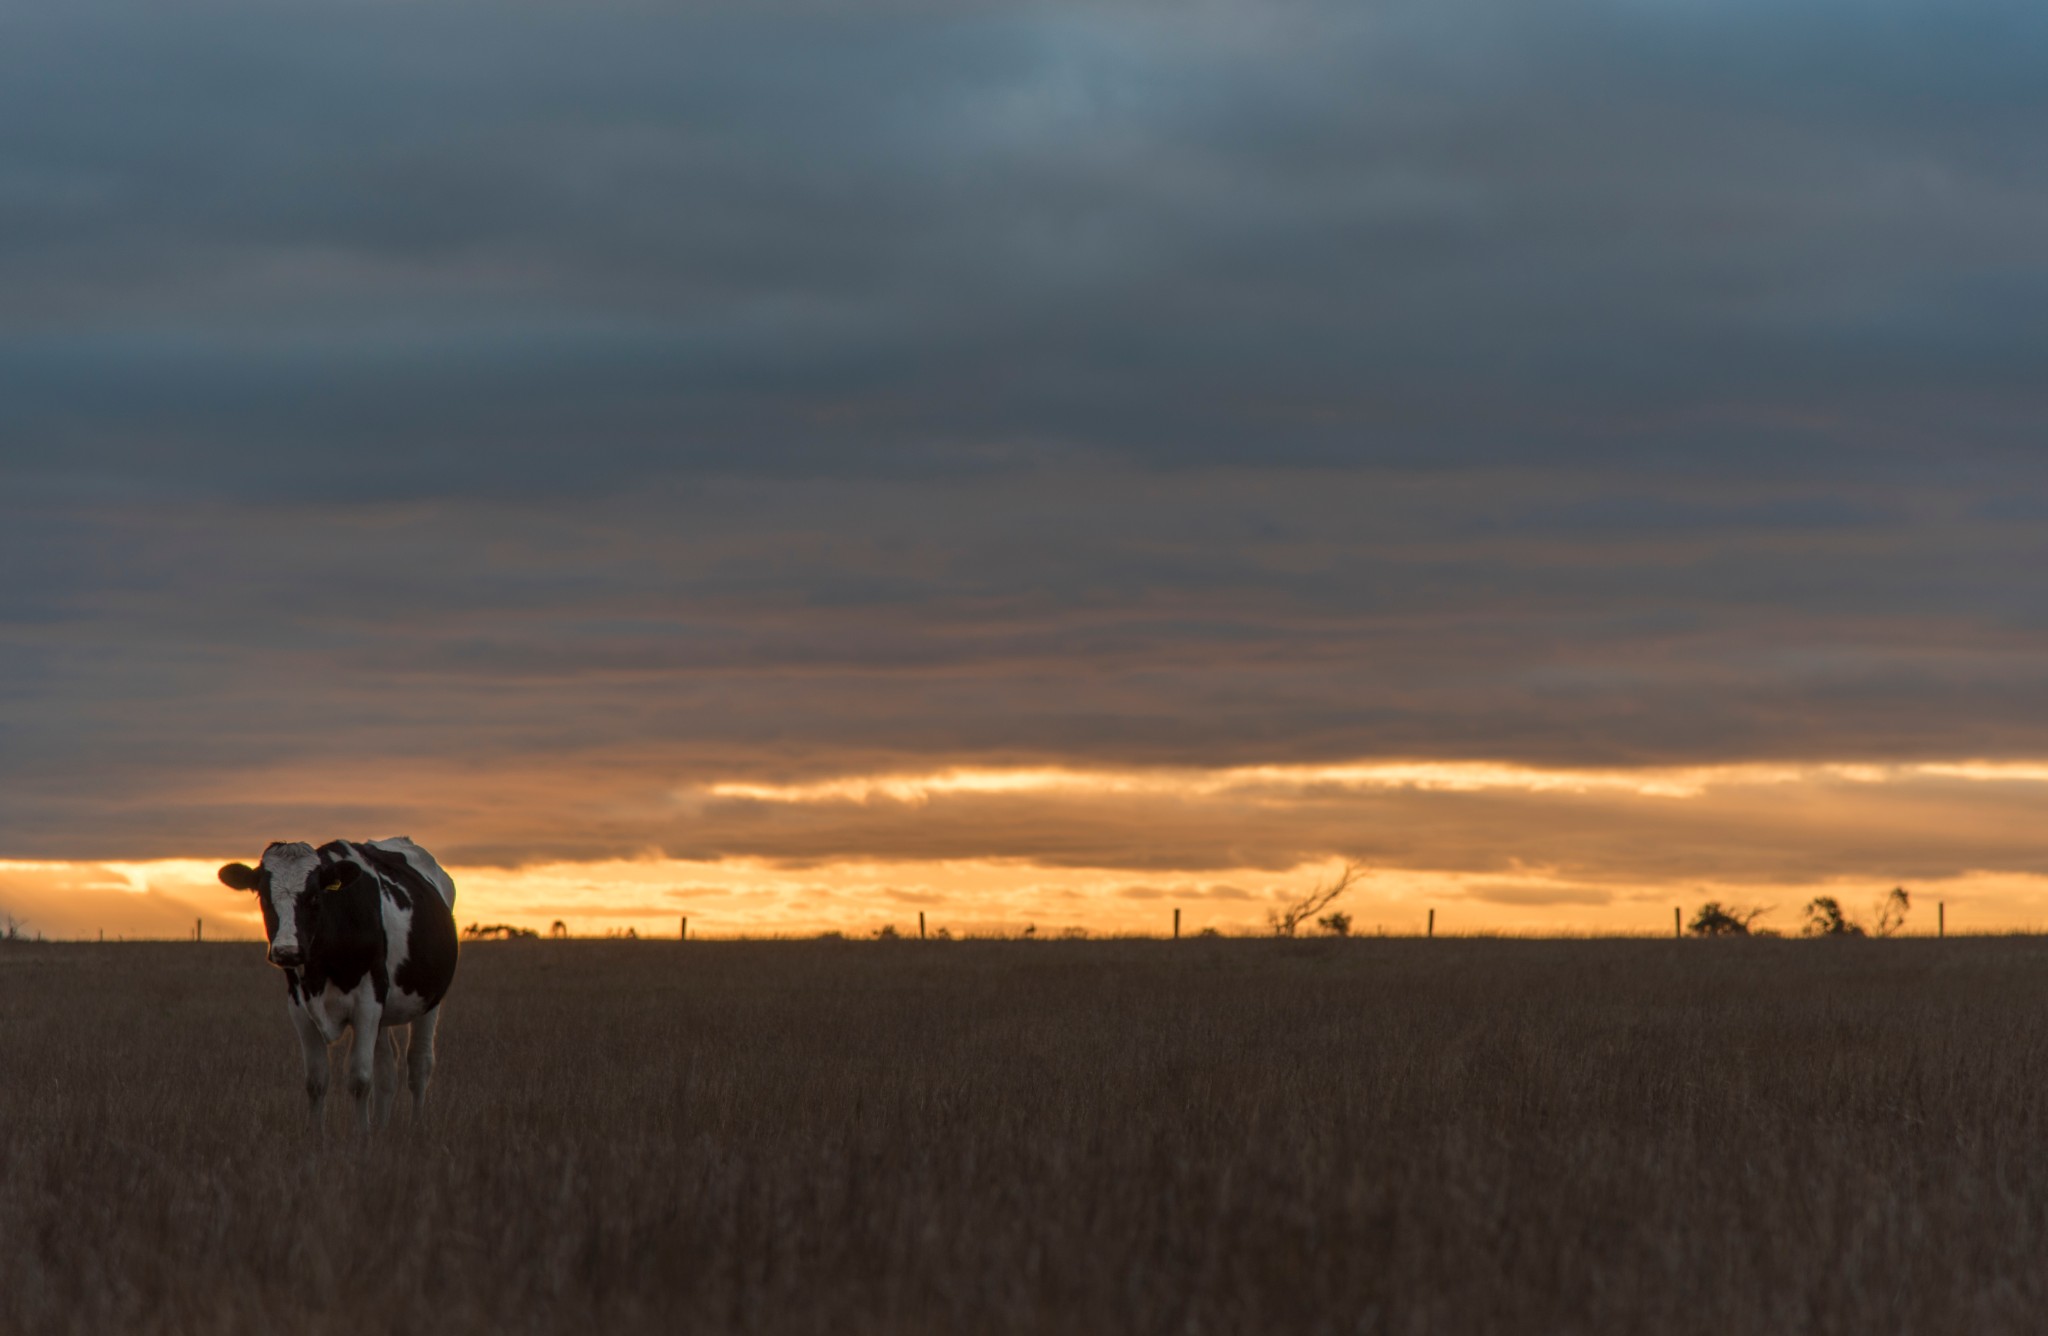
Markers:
287,882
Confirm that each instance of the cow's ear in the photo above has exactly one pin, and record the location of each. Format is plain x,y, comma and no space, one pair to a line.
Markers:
340,875
240,876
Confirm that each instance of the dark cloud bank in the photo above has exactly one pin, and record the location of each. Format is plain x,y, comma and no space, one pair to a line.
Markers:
405,404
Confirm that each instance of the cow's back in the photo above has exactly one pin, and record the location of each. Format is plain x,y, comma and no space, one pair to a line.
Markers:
421,862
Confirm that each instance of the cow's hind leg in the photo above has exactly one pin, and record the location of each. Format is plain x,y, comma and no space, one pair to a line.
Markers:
419,1060
362,1062
386,1074
313,1048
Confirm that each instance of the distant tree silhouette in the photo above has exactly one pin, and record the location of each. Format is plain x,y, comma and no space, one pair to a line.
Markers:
1892,911
558,929
1826,918
1337,923
1718,920
502,932
1285,921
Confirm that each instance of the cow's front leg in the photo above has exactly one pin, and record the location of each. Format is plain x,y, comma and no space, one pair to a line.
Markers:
313,1048
362,1060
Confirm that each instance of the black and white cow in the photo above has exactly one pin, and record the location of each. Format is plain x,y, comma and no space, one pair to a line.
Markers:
365,935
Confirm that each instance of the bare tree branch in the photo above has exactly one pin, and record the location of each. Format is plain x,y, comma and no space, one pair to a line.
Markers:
1285,921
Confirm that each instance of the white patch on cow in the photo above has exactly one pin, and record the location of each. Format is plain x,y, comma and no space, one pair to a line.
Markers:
422,863
334,1009
289,865
400,1007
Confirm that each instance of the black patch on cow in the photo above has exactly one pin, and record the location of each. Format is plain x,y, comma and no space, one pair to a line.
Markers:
341,931
427,967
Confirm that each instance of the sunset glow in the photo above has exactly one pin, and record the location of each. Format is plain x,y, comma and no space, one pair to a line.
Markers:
1442,776
985,851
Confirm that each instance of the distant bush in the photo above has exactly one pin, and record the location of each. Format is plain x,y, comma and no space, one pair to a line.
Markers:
1337,924
499,932
1826,918
1718,920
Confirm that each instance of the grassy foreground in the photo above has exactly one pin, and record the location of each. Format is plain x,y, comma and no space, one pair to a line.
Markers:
1203,1136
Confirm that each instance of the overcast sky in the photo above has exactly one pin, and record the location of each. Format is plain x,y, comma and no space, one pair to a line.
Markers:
507,422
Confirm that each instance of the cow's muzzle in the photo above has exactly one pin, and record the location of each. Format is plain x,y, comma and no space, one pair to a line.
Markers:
286,957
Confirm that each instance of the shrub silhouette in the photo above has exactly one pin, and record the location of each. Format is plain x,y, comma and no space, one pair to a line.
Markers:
1826,918
1337,923
1718,920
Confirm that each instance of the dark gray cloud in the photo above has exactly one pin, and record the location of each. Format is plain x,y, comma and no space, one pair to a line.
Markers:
638,394
540,247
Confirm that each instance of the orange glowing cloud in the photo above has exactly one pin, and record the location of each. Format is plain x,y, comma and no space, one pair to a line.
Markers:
992,850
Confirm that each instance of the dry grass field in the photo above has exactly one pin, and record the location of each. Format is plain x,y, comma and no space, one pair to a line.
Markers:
1203,1136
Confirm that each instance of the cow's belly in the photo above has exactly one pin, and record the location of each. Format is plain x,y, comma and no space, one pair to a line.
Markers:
334,1010
402,1008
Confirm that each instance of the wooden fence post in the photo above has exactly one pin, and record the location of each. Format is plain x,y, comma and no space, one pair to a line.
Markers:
198,930
1432,923
684,935
1176,925
920,925
1941,918
1676,931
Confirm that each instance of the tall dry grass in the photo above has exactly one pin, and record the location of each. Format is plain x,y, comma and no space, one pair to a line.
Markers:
1203,1136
